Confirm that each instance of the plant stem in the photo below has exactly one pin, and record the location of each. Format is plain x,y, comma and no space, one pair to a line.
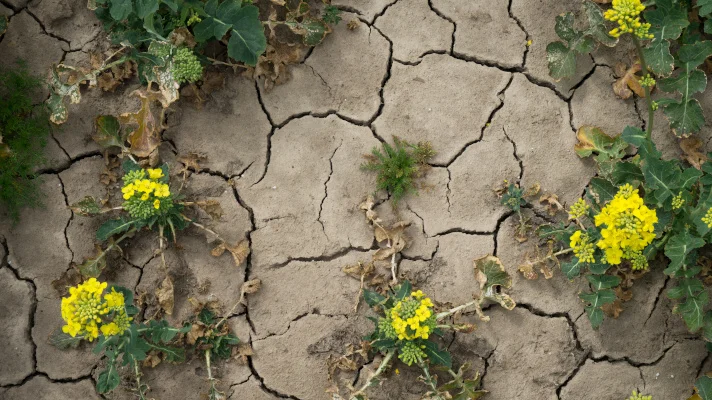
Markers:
138,381
384,363
452,311
428,378
649,100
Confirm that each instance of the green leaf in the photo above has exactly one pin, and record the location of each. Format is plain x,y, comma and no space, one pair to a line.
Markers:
383,344
108,132
312,30
685,83
136,347
598,268
172,354
627,172
108,379
63,340
597,25
206,316
663,176
402,291
372,298
561,60
704,387
595,316
494,273
92,267
678,250
659,57
593,140
128,294
704,8
572,268
120,9
603,190
86,207
3,24
559,232
247,38
686,287
113,227
695,54
596,300
685,117
437,356
146,7
689,177
634,135
599,282
128,165
692,311
667,19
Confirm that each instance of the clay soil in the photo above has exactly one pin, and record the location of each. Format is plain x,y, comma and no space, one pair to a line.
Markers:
284,165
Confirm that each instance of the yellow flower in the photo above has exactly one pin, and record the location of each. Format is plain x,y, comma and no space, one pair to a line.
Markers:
119,325
156,204
637,396
115,300
578,209
156,173
83,309
629,226
583,247
412,318
627,14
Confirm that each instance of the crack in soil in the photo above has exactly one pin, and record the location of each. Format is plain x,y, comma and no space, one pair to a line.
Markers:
446,18
326,188
71,216
5,262
526,33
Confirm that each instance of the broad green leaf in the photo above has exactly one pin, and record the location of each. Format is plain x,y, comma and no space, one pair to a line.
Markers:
599,298
372,298
598,268
561,59
402,291
695,54
599,282
593,140
63,340
437,356
572,268
383,344
146,7
92,267
626,172
659,58
634,135
595,316
603,190
686,84
704,387
692,311
120,9
171,354
247,39
113,227
108,379
490,272
686,287
107,131
685,117
663,176
689,177
312,30
597,25
678,250
135,348
667,19
704,8
86,207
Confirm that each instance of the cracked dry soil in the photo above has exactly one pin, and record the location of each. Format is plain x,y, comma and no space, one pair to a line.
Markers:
284,164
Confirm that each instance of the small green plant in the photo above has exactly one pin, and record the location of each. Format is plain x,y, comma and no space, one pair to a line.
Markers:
638,396
398,166
94,312
148,204
679,25
407,324
23,135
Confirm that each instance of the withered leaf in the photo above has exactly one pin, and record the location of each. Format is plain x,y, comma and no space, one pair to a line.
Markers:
353,24
239,252
249,287
629,83
86,207
145,136
192,160
196,332
211,207
164,294
691,151
69,278
243,350
613,309
152,360
551,201
92,267
182,37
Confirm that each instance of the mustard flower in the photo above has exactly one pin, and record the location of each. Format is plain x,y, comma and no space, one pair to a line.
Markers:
83,309
627,14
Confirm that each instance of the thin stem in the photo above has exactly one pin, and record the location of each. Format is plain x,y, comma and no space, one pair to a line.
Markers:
137,372
452,311
649,100
384,363
428,378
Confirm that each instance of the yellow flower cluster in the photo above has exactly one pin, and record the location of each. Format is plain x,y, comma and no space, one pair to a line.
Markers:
677,201
84,309
627,14
578,209
707,219
637,396
629,225
583,247
146,187
410,317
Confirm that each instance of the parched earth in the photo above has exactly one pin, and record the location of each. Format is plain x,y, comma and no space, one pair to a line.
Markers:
284,165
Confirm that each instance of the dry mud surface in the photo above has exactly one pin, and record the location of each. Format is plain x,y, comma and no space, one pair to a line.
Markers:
284,166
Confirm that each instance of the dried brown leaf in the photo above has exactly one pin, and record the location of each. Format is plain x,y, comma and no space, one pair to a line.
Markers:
614,309
145,137
192,160
196,332
211,207
629,83
353,24
164,294
239,252
182,37
691,151
152,360
249,287
551,201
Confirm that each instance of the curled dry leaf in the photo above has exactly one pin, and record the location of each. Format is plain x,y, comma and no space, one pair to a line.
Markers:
152,360
691,151
239,252
249,287
145,136
243,350
211,207
197,331
629,82
164,294
492,279
551,201
353,24
191,161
